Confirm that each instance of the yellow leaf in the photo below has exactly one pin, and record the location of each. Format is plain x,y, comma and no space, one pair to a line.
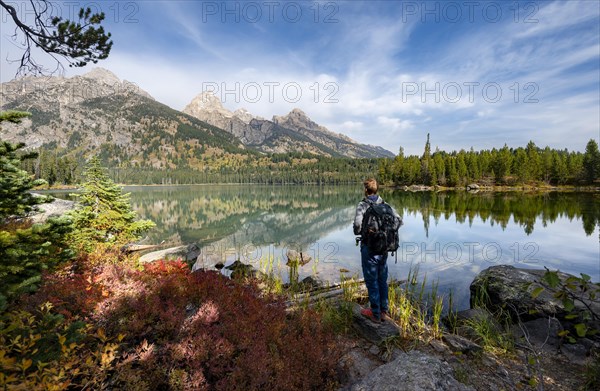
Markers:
26,363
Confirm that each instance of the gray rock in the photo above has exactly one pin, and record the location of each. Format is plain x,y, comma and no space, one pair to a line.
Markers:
312,283
539,319
461,344
543,335
371,331
511,289
192,253
58,207
411,371
297,258
439,346
374,350
473,187
240,270
540,332
355,365
576,353
472,314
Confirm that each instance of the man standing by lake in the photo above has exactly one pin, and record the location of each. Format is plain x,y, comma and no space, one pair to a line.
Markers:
374,263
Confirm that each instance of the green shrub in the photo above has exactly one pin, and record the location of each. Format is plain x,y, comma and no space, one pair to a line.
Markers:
105,214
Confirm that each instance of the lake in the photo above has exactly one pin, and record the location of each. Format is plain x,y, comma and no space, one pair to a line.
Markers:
449,236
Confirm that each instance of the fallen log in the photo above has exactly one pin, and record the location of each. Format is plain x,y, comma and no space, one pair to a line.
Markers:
131,248
331,292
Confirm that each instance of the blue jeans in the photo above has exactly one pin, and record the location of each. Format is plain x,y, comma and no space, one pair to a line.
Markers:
375,271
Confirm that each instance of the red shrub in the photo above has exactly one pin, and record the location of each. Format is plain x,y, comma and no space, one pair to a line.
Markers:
198,330
72,290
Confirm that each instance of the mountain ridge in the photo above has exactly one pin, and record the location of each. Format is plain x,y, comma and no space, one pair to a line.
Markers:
293,132
99,113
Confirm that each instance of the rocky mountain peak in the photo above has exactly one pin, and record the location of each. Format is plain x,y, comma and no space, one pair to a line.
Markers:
206,103
294,131
244,115
102,75
298,120
296,115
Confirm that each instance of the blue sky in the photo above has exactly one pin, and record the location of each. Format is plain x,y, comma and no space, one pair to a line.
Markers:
472,74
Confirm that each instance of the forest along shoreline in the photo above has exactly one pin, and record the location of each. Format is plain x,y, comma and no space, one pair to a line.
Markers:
471,187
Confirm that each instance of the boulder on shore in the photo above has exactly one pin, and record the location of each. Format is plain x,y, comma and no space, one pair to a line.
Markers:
241,270
538,320
56,208
412,371
510,288
296,258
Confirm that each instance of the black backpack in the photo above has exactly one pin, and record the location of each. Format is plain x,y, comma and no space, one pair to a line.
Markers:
379,230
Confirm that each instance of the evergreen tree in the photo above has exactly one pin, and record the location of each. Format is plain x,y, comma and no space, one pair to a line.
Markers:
105,215
461,168
521,165
473,165
560,173
534,164
591,161
547,164
26,249
398,167
502,163
451,171
440,168
426,163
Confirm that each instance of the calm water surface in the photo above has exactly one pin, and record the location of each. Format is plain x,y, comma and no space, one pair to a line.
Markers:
449,236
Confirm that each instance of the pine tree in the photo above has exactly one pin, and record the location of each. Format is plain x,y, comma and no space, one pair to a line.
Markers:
398,167
440,167
502,163
560,173
591,161
26,249
547,164
426,163
461,168
105,215
534,163
521,165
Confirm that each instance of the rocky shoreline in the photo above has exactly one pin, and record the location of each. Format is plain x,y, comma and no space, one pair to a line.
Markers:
475,188
540,358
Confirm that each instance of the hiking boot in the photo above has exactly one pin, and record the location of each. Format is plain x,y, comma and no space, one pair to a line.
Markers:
366,312
385,315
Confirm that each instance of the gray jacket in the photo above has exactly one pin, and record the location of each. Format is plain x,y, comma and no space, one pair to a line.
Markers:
362,208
